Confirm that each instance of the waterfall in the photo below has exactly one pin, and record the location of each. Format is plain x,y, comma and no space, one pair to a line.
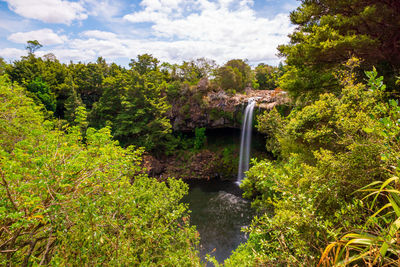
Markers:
245,141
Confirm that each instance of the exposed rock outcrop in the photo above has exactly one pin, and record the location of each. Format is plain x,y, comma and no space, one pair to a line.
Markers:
203,164
265,99
219,109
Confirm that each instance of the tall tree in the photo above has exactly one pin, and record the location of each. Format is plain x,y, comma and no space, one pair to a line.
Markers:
235,74
144,63
328,32
32,46
88,79
267,76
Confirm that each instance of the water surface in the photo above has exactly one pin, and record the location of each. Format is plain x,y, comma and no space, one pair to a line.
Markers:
219,212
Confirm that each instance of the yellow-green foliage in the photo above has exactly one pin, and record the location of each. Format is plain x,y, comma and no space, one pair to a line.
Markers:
377,244
327,150
65,202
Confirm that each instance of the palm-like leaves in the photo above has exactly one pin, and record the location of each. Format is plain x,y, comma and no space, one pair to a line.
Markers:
379,244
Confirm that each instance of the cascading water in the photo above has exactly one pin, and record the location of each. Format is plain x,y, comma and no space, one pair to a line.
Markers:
245,141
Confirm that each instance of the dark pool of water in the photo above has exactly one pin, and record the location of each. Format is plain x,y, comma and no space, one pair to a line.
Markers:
218,212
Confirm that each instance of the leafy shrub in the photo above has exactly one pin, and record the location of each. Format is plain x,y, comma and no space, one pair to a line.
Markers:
65,202
326,151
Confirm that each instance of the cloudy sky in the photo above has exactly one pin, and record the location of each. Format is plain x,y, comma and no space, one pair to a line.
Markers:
171,30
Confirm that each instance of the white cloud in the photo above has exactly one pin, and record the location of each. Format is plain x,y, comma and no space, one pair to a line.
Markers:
12,53
50,11
67,54
99,34
159,10
44,36
110,49
181,30
103,9
221,30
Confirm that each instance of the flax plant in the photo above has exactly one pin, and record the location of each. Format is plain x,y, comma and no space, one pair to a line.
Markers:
378,244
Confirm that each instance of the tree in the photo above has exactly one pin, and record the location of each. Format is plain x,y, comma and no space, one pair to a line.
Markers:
32,46
49,70
142,120
230,78
106,110
235,74
144,64
88,79
329,32
66,201
71,104
194,70
267,76
41,92
135,107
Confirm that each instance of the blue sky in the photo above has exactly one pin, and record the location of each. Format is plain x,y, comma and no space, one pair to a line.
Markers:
171,30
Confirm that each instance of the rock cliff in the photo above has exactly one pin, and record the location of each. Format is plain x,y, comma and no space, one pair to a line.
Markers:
218,109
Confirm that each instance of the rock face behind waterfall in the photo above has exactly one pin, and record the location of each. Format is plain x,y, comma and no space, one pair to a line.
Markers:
201,106
218,109
266,99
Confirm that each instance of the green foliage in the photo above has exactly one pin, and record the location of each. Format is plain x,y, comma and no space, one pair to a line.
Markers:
267,76
32,46
24,115
199,137
65,202
88,80
216,113
71,104
142,119
195,70
144,64
377,244
137,103
229,162
135,107
47,69
326,153
306,83
42,93
3,66
271,124
228,78
329,32
173,90
235,74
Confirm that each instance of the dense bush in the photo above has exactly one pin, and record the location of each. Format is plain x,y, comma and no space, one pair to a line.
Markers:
327,151
65,201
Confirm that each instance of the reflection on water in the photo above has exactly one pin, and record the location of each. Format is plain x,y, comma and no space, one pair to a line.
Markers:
219,213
